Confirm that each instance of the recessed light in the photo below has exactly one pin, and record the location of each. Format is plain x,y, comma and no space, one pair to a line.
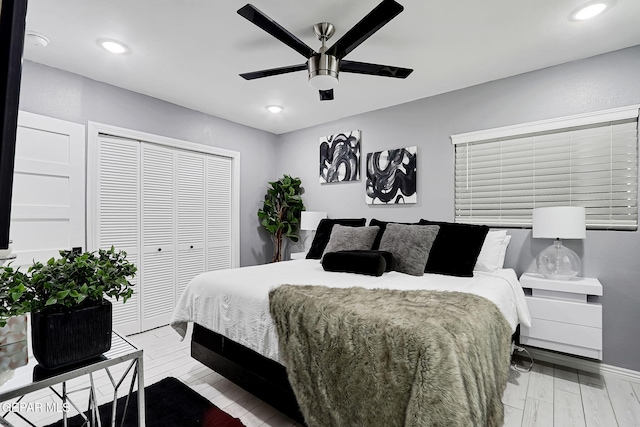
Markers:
589,11
113,46
275,109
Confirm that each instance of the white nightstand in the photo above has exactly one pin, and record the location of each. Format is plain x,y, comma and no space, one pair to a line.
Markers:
562,317
298,255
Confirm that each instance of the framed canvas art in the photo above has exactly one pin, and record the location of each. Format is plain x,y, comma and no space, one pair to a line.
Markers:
391,176
340,157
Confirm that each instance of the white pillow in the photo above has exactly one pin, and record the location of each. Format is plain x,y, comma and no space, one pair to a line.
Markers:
503,250
493,251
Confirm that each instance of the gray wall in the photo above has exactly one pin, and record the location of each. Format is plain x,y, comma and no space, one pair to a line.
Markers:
63,95
597,83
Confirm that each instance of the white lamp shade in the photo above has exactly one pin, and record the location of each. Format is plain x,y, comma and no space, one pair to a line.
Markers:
310,220
559,222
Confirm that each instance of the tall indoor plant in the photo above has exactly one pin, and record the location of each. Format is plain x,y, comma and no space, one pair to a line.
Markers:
71,318
280,214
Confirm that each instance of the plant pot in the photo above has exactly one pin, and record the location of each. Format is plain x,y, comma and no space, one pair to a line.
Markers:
61,339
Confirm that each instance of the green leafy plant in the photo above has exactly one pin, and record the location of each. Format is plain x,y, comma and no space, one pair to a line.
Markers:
280,214
13,302
73,280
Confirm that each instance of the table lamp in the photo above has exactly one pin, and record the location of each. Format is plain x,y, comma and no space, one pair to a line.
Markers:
309,221
559,222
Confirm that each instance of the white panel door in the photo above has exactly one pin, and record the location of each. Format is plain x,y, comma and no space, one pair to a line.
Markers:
158,234
218,191
190,207
118,217
48,206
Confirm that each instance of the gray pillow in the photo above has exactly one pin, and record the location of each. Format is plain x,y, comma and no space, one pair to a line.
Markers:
351,238
410,246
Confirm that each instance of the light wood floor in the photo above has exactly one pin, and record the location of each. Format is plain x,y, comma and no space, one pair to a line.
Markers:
547,396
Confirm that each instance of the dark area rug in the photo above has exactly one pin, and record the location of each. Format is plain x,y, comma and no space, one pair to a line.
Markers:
169,403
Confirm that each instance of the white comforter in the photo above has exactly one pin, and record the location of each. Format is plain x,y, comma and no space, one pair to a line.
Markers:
235,302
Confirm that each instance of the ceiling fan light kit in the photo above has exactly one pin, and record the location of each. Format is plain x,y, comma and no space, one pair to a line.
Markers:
325,65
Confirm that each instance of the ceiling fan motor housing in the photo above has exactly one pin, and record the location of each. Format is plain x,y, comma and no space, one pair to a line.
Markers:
323,64
323,68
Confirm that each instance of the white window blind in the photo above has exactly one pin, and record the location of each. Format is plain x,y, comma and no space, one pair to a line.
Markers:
499,181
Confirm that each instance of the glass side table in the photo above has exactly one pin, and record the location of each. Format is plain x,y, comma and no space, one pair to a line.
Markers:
20,375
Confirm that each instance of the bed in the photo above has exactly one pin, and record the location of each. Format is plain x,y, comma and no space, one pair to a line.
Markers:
235,335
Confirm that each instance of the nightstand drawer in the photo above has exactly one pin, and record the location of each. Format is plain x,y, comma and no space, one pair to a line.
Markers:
566,312
565,333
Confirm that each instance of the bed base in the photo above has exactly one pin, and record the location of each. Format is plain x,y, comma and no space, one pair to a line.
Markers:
259,375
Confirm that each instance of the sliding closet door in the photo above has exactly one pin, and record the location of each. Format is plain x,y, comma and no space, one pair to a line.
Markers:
158,234
118,216
190,207
168,206
218,189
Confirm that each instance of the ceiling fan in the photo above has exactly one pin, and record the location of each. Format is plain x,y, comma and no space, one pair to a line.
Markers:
324,66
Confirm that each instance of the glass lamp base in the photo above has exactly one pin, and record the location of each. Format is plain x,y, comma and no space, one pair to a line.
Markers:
558,262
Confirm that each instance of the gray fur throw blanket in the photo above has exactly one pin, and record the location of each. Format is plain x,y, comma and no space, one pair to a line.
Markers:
359,357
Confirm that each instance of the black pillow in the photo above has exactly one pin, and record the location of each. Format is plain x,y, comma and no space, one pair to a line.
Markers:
371,263
383,226
388,256
323,232
456,248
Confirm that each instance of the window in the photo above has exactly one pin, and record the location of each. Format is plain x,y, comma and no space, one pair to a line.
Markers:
589,160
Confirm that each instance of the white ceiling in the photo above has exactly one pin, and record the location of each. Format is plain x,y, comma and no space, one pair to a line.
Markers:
190,52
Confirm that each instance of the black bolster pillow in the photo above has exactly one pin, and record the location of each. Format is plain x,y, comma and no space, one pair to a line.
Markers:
369,262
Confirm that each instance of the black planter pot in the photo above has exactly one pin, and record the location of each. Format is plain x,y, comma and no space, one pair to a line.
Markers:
60,339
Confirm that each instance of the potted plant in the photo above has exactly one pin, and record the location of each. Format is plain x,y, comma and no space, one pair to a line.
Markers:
71,318
13,307
280,214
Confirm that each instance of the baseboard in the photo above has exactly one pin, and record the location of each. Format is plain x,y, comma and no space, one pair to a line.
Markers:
583,364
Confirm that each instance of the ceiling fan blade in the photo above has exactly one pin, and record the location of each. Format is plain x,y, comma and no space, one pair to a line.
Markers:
326,95
252,14
376,19
273,72
374,69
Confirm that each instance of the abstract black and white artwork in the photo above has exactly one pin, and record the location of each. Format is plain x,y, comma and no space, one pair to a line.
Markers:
340,157
391,176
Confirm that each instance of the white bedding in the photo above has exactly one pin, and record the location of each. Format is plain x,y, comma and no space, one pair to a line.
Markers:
235,302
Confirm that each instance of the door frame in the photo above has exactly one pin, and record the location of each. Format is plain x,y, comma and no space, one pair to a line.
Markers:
94,130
